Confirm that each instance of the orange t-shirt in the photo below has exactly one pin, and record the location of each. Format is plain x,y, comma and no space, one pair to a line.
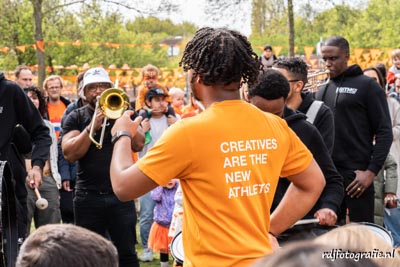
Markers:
141,97
230,159
55,114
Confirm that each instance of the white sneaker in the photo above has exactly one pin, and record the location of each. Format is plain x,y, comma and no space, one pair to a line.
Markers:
164,264
147,255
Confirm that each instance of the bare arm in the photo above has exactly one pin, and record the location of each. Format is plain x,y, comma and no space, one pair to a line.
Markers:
127,180
300,197
75,144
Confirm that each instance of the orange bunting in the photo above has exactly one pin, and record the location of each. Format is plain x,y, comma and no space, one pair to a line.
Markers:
21,48
375,53
308,51
277,50
60,43
358,52
40,45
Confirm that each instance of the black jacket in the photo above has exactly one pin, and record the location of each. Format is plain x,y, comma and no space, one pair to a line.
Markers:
363,131
333,193
324,120
17,108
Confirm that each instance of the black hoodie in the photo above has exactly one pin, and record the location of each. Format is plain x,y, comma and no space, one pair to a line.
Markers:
361,116
324,120
333,192
17,108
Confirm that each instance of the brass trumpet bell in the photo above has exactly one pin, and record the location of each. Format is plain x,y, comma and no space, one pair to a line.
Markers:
113,102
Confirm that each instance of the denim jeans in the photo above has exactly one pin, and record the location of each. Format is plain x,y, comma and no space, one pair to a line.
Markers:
146,217
111,218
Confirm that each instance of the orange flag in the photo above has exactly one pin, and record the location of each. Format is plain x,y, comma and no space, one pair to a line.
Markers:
40,45
277,50
21,48
308,51
358,53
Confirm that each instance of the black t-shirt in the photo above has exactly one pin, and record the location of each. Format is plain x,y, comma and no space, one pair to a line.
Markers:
94,166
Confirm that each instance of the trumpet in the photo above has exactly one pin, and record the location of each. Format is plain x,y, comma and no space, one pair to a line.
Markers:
316,80
112,102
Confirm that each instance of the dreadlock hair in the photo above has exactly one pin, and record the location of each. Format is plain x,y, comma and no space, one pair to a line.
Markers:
338,41
271,85
220,57
295,66
42,101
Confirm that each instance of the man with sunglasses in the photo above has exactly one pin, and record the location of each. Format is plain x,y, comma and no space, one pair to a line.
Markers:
319,114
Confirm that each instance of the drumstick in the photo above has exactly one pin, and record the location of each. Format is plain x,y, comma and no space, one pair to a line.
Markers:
41,203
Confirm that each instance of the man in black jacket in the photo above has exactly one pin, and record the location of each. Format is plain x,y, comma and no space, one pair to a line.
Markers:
363,132
17,109
319,114
270,95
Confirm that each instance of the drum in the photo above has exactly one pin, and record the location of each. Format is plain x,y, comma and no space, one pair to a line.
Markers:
379,231
176,248
8,216
305,229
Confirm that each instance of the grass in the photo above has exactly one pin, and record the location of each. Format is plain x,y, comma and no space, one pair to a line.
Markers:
156,260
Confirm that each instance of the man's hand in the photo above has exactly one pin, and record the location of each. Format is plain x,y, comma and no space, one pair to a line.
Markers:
34,177
65,185
362,181
125,123
145,125
390,200
326,216
171,120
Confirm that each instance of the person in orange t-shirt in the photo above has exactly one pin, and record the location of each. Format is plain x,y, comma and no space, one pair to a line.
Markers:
56,103
231,156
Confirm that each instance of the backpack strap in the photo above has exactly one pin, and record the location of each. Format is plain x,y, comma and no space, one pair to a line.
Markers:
313,110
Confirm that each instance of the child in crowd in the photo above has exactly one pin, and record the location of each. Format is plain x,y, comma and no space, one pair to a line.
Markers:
158,237
178,100
395,68
155,126
150,81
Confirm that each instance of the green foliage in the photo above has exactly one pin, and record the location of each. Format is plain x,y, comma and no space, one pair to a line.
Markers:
89,24
373,26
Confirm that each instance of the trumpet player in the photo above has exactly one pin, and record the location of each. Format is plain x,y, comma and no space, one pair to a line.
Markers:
95,205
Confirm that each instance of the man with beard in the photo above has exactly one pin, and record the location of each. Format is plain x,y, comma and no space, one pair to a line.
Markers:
363,131
56,103
230,158
96,207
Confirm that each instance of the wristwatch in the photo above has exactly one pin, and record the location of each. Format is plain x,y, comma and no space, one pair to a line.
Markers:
118,135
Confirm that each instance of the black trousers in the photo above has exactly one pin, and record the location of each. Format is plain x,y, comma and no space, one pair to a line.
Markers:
359,209
104,214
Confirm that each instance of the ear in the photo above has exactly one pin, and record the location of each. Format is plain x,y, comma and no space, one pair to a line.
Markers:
299,86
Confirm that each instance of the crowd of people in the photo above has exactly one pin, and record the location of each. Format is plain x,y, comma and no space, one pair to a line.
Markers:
246,164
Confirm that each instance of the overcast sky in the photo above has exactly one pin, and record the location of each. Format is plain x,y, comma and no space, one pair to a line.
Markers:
238,18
